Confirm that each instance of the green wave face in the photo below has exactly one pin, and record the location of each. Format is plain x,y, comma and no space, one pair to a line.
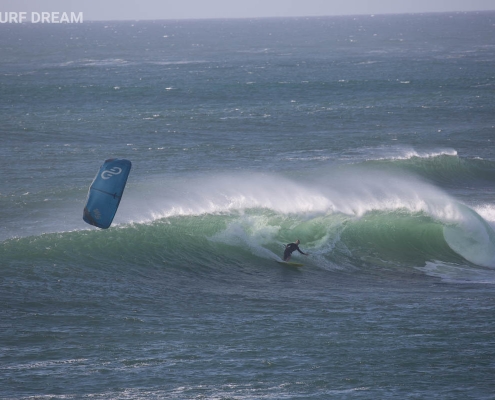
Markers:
398,238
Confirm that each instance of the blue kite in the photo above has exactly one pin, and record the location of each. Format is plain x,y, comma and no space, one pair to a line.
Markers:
106,192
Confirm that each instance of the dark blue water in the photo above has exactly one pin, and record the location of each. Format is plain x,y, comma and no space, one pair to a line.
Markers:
370,139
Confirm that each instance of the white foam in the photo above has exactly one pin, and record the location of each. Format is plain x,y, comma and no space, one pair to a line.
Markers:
89,62
407,154
487,211
251,232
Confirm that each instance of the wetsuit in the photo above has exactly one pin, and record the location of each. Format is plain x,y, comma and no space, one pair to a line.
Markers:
290,248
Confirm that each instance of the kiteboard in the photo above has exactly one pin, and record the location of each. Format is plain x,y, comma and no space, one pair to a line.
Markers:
291,264
105,192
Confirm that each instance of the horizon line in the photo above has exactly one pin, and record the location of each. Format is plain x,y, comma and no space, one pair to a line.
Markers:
288,16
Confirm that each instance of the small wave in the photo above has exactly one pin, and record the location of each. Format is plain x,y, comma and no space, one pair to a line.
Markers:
315,158
180,62
89,62
254,51
456,273
407,154
444,167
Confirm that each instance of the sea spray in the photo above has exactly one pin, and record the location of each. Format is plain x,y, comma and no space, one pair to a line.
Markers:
267,210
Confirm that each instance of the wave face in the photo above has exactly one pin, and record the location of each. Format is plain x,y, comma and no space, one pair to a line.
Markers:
365,216
442,167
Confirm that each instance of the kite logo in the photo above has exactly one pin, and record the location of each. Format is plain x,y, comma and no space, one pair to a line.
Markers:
108,173
97,213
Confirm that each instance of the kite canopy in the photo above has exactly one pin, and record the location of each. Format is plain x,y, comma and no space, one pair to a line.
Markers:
106,192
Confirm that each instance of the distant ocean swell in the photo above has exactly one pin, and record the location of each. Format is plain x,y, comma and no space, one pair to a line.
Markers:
444,167
355,216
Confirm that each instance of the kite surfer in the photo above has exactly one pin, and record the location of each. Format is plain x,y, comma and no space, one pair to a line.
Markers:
290,248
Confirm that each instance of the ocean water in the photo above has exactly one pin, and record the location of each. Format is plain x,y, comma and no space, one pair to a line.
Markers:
369,138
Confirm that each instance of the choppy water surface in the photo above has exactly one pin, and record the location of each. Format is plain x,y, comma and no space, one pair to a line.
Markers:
370,139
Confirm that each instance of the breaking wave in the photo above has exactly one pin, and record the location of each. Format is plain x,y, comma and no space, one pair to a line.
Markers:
358,217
